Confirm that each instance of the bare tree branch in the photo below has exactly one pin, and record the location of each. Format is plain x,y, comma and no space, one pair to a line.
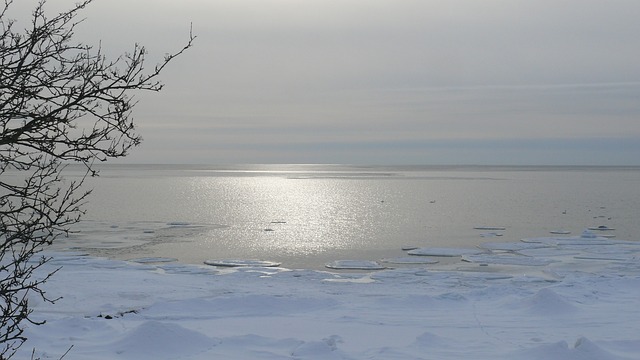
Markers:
60,102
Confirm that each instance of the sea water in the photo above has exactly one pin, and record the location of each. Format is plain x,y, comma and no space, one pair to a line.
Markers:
307,215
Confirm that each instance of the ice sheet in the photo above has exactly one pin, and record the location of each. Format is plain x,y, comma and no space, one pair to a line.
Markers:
568,309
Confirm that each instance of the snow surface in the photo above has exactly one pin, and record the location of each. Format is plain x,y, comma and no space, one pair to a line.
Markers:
573,308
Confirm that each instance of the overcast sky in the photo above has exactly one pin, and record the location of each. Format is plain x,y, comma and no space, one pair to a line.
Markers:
383,81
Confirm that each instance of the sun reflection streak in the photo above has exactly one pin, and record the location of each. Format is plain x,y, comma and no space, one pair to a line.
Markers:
291,216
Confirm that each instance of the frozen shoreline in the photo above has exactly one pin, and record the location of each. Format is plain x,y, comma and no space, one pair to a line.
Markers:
576,307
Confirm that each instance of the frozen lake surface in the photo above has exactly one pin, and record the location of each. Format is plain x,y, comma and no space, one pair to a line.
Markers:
135,286
575,307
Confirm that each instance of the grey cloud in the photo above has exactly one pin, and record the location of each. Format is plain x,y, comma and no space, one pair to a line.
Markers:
373,80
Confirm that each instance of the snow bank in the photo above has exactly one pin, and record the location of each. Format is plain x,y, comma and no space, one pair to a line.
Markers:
571,308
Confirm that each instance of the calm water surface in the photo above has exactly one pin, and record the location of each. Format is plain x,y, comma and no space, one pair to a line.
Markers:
306,215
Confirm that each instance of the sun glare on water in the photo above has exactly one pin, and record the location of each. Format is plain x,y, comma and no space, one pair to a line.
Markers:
287,214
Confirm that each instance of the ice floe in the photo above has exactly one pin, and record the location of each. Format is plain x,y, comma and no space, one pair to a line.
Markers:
601,228
506,259
410,260
355,265
444,252
242,262
490,228
491,234
560,232
145,260
586,238
512,246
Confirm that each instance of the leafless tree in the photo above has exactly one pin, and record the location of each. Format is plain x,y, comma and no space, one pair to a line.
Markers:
61,102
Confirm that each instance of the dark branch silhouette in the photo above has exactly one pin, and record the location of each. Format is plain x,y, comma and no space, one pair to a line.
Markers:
61,102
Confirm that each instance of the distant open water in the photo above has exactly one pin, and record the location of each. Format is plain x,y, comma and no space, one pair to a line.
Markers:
307,215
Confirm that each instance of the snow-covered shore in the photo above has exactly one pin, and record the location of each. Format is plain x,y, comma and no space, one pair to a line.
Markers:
583,304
